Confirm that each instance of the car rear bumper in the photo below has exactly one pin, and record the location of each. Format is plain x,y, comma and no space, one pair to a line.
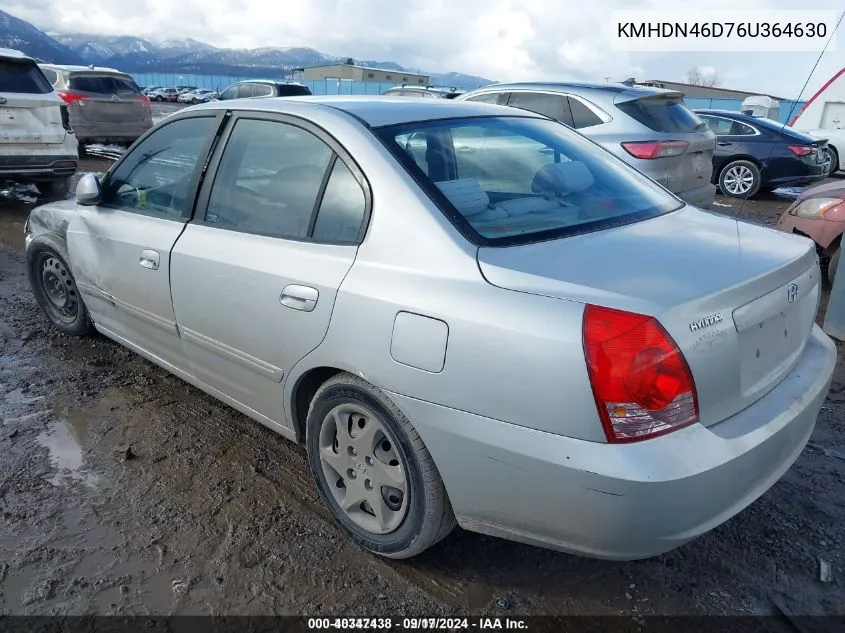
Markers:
628,501
701,197
38,165
110,132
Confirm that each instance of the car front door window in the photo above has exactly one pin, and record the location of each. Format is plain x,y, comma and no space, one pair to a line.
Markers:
269,178
155,179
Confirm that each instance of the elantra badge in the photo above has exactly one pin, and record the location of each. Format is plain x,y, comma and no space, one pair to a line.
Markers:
705,322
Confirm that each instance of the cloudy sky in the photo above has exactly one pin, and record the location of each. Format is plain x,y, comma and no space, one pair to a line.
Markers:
498,39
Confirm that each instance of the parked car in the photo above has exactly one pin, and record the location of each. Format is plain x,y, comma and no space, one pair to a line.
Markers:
104,104
164,94
150,89
184,89
555,350
424,91
754,154
262,88
819,213
197,96
650,128
37,143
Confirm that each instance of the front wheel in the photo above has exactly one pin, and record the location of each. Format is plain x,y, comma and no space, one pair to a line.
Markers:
159,98
54,286
740,179
373,471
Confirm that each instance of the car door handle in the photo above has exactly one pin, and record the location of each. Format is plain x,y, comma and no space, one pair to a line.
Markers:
149,259
299,297
723,143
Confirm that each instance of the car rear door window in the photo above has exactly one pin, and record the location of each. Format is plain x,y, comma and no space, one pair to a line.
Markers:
292,90
156,177
230,93
554,106
22,77
342,208
486,97
719,126
661,114
262,90
269,179
245,91
582,116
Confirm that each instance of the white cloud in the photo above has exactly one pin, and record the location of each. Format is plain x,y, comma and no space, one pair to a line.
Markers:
499,39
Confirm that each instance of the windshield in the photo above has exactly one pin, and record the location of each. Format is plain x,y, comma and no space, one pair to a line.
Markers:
516,180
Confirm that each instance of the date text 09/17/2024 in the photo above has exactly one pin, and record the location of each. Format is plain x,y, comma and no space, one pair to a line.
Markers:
416,624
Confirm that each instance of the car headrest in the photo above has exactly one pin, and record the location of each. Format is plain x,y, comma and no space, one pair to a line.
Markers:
561,178
466,195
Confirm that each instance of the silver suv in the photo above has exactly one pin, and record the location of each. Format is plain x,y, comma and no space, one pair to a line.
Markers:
650,128
104,104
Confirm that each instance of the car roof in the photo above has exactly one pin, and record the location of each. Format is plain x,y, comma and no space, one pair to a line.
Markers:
82,69
11,53
375,111
576,85
271,82
733,114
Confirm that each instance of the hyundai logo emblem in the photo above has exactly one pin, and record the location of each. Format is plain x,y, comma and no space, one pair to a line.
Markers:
792,293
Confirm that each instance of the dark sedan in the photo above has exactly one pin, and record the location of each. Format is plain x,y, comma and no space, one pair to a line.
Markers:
754,154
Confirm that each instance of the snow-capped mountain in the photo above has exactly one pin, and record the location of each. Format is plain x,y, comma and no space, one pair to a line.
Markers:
22,36
182,56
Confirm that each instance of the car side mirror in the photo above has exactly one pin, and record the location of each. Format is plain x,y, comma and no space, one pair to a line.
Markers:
88,190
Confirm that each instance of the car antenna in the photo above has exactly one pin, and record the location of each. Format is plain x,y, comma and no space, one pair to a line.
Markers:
792,108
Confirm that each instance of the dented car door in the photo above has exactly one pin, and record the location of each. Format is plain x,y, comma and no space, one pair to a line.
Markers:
120,248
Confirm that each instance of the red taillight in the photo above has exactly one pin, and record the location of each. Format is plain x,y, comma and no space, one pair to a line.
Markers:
800,150
641,381
655,149
145,100
72,97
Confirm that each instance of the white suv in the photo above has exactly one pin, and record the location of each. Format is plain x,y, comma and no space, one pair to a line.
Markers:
36,141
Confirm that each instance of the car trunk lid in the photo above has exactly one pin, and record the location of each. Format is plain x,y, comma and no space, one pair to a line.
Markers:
29,108
739,300
667,118
107,98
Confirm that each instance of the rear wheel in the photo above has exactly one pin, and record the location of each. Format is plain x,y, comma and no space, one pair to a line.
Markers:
833,158
373,471
740,179
54,286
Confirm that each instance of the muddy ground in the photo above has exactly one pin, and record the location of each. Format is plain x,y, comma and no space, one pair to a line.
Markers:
125,491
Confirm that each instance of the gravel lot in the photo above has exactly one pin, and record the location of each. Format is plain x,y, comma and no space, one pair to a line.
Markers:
124,490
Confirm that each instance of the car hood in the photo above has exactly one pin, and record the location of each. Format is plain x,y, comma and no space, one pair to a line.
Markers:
826,190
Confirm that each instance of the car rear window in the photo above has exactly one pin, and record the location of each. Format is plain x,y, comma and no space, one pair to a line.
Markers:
511,180
103,84
662,115
23,77
286,90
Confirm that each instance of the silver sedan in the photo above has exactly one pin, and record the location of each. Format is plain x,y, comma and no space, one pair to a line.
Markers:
469,314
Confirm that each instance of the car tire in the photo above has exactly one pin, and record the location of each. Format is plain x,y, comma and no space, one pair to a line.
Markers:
414,507
833,157
54,287
159,98
740,179
833,264
56,189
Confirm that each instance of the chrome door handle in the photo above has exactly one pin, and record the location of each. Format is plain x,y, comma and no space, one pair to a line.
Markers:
723,143
299,297
149,259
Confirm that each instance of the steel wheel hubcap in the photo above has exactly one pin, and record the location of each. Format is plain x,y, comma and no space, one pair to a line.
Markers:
363,469
739,179
59,288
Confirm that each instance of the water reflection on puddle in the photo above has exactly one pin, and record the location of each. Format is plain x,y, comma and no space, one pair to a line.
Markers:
64,439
